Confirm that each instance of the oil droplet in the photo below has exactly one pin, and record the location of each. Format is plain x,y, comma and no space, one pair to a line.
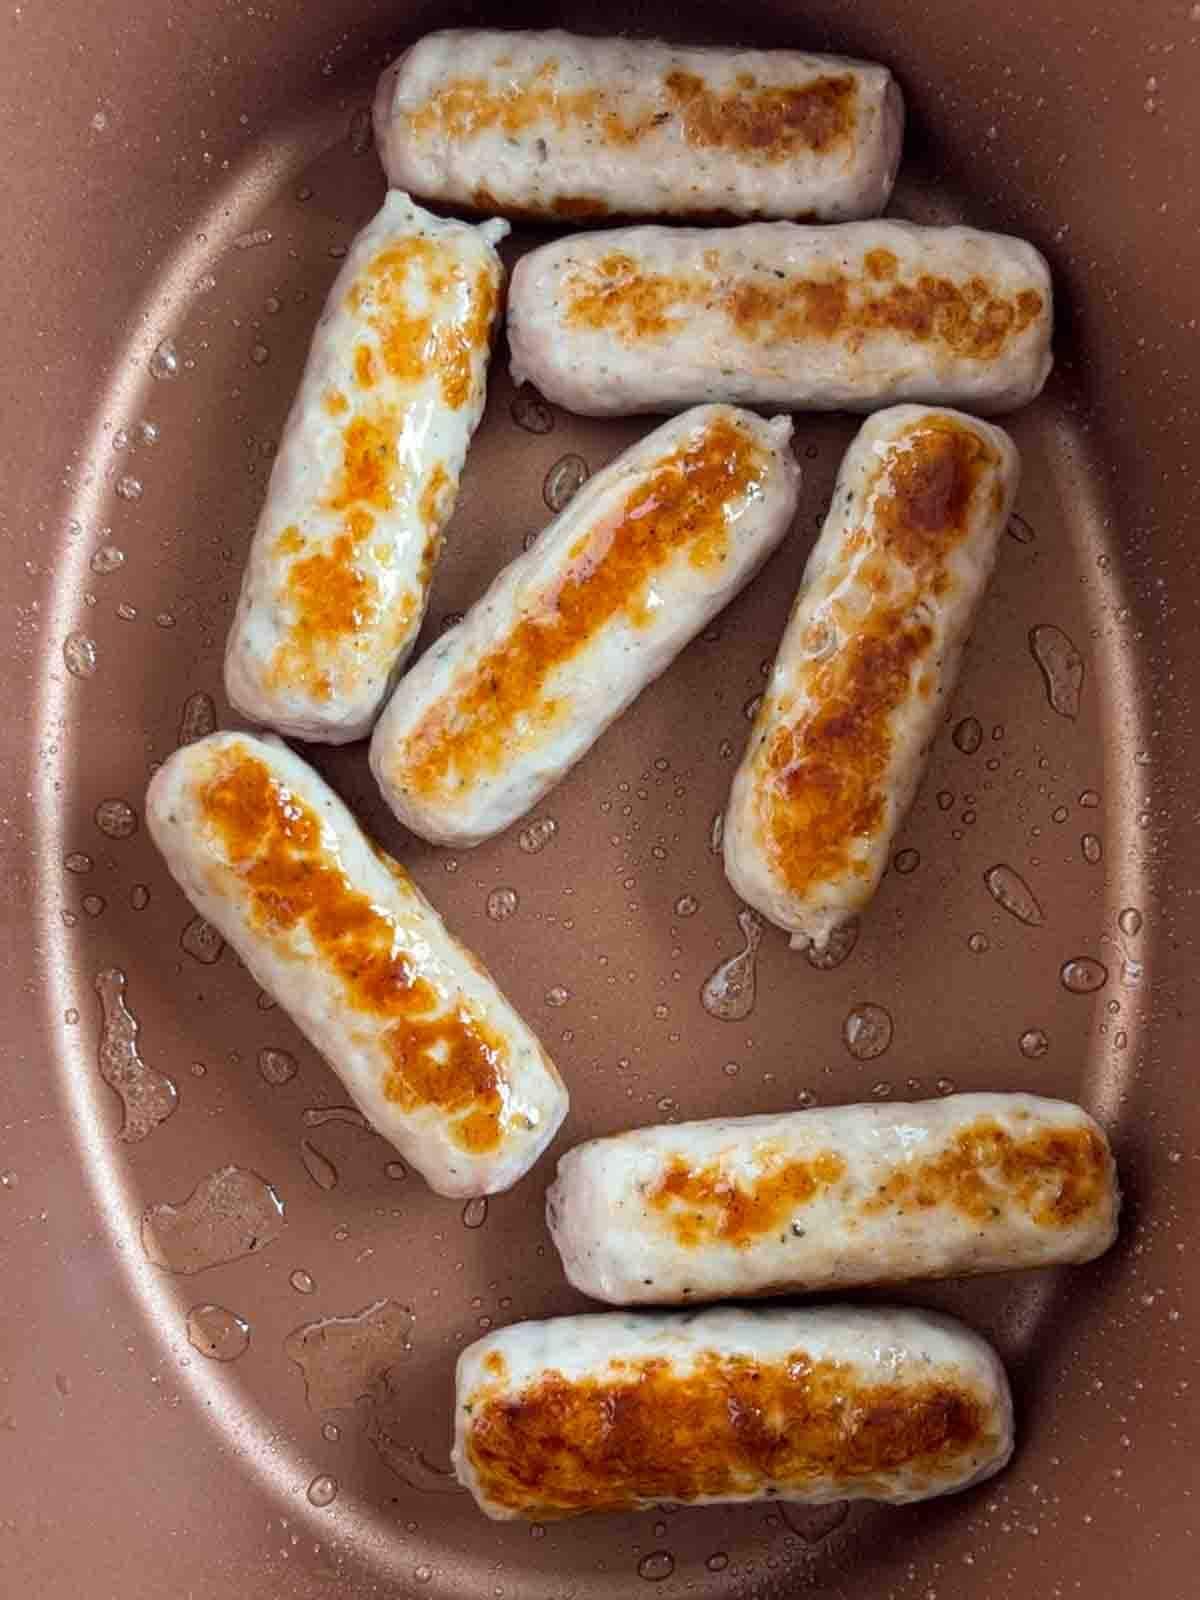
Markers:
148,432
1121,1040
1130,921
1061,666
945,1086
537,835
529,411
717,1562
388,1419
202,942
94,904
1089,799
320,1116
318,1166
77,861
1033,1043
687,905
944,799
968,735
1092,848
322,1491
128,487
260,355
396,1170
107,559
502,904
265,1002
474,1213
978,944
303,1282
659,1564
867,1031
1083,975
277,1066
254,239
716,834
71,1016
331,1431
8,1180
557,996
1009,889
750,709
164,361
564,481
216,1333
148,1096
815,1523
79,655
126,612
230,1213
165,619
1020,530
423,1573
729,992
907,861
116,819
139,896
344,1359
198,719
838,946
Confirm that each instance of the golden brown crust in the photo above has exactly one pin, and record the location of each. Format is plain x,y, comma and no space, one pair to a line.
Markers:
706,1204
823,782
972,320
1057,1177
446,1059
771,122
728,1426
680,507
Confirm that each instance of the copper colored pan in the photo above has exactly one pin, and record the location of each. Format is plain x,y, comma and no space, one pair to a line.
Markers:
181,179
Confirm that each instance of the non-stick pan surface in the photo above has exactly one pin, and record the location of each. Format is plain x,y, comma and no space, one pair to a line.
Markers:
180,182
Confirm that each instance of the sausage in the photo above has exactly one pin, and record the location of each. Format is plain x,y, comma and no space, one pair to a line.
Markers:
623,1411
869,656
827,1199
412,1023
366,475
847,318
570,633
552,125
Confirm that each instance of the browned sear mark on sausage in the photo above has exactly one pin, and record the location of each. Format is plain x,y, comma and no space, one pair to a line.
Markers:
727,1426
824,775
441,1055
773,122
766,120
579,207
679,508
708,1204
969,319
1056,1176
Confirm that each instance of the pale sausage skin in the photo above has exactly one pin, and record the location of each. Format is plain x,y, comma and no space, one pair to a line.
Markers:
831,1199
625,1411
643,557
849,318
869,656
556,126
366,475
412,1023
